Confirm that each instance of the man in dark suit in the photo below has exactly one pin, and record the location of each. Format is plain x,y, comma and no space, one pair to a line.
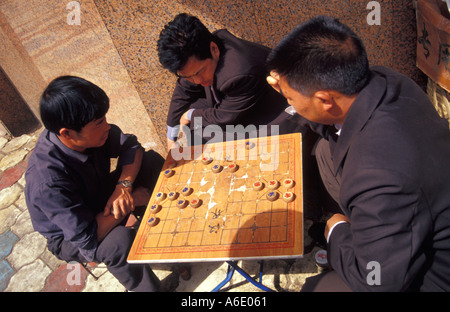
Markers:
221,83
383,157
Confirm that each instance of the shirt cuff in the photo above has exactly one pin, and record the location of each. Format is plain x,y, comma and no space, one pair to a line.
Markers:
189,114
290,110
172,132
332,228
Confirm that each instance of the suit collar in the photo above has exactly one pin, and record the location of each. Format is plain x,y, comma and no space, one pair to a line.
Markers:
362,109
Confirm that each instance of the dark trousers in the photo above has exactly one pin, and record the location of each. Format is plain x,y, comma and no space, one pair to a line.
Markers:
114,248
328,281
113,251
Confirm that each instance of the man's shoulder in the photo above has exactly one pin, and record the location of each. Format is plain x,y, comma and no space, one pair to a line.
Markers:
43,160
240,59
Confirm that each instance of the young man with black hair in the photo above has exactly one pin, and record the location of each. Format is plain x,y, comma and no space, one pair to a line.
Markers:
74,199
221,81
383,156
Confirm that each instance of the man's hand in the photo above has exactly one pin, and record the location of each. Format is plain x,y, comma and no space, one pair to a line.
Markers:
333,220
170,144
120,204
184,120
274,80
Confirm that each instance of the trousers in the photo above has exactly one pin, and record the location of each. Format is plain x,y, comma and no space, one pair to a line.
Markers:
113,251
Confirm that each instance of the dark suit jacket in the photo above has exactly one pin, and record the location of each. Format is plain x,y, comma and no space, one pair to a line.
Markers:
392,160
240,85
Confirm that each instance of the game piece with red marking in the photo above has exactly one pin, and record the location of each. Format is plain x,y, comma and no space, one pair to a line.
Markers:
273,184
288,183
288,197
195,203
232,167
258,186
171,164
206,160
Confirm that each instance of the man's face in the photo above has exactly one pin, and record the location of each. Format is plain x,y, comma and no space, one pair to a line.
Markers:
201,71
94,134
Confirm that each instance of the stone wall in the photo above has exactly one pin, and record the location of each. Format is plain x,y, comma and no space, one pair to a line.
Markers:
114,44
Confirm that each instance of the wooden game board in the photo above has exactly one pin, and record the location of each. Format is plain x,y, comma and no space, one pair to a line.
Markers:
234,221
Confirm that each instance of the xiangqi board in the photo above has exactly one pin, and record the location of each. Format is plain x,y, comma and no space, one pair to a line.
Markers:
226,201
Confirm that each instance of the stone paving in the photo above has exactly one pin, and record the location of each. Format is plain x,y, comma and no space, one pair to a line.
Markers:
27,266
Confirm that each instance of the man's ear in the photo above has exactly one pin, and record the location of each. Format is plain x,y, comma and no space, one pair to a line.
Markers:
65,133
215,52
325,98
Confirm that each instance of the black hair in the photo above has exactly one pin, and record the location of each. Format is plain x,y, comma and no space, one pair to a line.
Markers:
182,38
72,102
321,54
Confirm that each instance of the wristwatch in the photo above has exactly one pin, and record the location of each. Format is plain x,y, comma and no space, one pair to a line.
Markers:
126,183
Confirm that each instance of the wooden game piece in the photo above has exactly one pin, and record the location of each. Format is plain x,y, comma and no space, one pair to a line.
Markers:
155,208
153,221
171,164
168,173
182,203
206,160
160,197
288,197
288,183
272,196
172,195
195,203
232,167
186,191
258,186
217,168
249,145
273,184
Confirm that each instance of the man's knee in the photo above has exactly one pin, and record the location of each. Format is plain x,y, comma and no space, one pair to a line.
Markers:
115,246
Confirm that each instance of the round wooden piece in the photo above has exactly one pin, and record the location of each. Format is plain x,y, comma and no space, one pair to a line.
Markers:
232,167
273,184
272,196
258,186
153,221
288,183
288,197
186,191
182,203
206,160
249,145
195,203
172,195
168,173
160,197
155,208
217,168
172,164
